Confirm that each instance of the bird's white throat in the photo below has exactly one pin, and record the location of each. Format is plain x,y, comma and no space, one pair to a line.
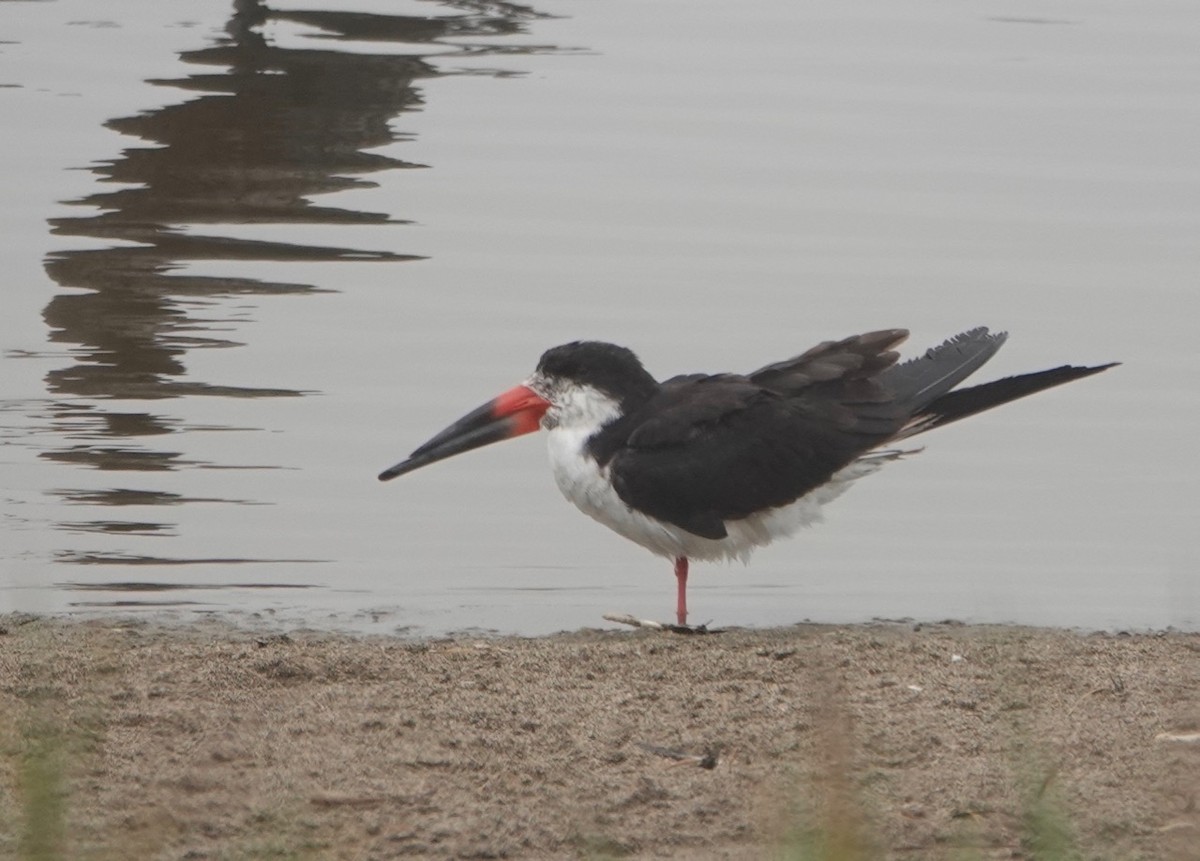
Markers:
574,407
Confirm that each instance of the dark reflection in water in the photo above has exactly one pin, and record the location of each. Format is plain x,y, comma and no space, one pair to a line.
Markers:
80,558
127,587
131,527
261,132
150,586
127,496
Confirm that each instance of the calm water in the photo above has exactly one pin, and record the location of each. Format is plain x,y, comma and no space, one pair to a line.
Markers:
253,256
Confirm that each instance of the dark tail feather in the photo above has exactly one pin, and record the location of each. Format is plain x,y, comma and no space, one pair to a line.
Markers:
961,403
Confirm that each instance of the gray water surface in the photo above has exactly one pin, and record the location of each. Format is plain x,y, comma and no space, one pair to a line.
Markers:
253,258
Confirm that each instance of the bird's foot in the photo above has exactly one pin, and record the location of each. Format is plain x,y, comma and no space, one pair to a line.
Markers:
670,627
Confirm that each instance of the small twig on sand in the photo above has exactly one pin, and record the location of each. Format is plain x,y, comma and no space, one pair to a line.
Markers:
337,799
708,760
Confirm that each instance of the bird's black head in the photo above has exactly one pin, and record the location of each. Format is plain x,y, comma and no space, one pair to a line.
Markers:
610,369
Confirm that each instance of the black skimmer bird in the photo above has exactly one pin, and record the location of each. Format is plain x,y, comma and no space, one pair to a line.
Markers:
713,466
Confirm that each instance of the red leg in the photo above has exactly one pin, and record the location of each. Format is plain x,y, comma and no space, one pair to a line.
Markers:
681,571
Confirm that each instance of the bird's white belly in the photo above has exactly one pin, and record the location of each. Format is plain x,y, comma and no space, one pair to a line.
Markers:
587,485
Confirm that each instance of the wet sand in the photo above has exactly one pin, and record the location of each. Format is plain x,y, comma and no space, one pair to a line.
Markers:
888,740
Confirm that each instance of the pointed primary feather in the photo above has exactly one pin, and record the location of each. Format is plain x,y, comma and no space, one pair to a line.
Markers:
960,403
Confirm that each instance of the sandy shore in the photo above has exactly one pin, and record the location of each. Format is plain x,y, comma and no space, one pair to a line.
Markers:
888,740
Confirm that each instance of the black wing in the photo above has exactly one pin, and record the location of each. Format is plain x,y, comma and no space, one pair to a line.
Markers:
707,449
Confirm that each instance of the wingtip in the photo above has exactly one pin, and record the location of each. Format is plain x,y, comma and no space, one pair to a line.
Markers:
1087,371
